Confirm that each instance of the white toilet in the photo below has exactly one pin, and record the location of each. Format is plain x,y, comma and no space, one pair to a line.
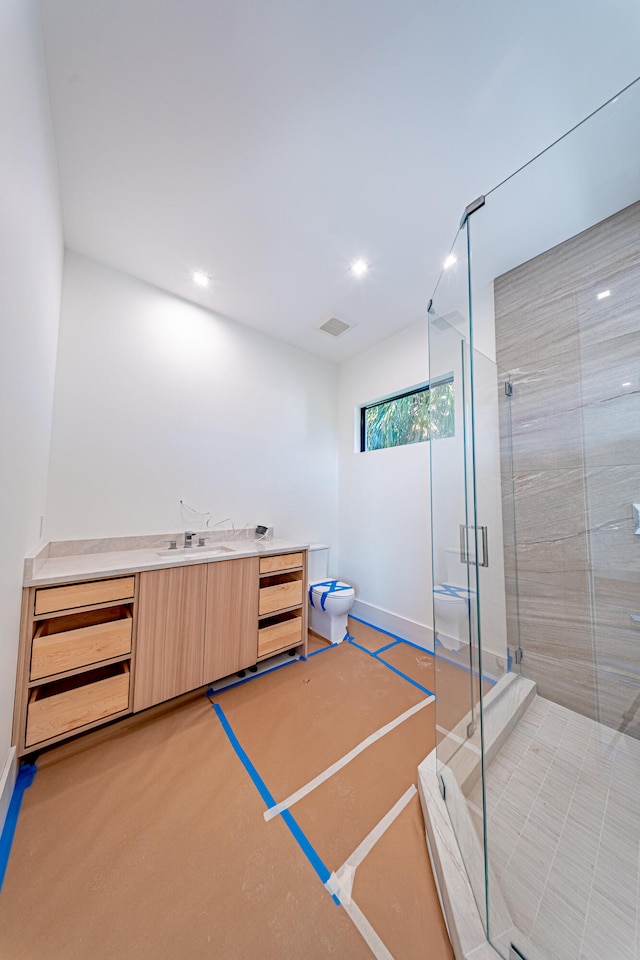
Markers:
330,600
451,603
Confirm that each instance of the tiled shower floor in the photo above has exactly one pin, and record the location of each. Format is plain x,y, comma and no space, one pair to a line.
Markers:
563,804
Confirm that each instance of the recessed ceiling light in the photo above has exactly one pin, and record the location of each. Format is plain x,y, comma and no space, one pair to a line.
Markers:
449,262
200,278
359,268
603,294
627,383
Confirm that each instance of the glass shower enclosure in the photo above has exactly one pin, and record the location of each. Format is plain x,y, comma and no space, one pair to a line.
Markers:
536,546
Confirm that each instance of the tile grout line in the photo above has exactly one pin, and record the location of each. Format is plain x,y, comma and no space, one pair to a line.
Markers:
588,749
520,761
521,764
528,817
508,781
573,793
604,814
564,823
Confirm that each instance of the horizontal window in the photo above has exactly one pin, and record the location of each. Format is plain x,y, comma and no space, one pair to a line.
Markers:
424,413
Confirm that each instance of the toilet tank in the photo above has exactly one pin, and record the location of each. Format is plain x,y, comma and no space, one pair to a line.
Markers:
318,562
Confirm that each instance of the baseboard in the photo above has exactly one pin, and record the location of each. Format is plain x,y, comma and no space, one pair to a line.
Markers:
7,783
393,623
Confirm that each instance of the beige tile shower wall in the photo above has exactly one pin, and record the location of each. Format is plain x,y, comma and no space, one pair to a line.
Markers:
571,468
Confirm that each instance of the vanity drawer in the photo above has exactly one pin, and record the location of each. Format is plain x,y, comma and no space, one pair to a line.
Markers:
279,596
66,643
279,636
287,561
50,599
54,709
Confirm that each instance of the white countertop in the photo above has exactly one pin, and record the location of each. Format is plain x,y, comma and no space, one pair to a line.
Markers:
42,569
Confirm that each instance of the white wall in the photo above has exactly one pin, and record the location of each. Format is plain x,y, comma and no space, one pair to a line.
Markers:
159,400
30,278
385,548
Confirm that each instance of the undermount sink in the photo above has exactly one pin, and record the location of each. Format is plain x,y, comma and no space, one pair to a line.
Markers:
186,553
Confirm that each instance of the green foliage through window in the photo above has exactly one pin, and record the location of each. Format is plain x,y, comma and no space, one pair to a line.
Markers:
426,413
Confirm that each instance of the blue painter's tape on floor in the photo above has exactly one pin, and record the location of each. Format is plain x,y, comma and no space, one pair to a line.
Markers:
244,759
306,847
387,633
404,676
393,669
354,643
330,646
388,646
416,646
254,676
320,868
26,773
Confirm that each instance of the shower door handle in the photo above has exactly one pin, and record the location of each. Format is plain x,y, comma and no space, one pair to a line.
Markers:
485,547
465,556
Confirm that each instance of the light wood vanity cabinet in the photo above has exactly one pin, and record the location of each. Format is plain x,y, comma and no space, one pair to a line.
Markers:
76,655
96,650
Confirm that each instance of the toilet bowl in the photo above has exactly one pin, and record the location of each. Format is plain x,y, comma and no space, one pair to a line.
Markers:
330,599
452,603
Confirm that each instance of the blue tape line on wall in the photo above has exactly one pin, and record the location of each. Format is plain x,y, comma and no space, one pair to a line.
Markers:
26,773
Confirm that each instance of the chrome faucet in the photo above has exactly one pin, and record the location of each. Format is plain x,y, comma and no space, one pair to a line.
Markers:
188,538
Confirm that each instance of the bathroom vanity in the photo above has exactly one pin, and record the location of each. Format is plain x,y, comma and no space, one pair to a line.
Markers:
106,633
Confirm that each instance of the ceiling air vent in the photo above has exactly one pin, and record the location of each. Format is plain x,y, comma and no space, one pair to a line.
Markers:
334,327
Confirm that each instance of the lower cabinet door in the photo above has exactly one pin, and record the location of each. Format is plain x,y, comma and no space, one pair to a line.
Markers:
231,630
171,616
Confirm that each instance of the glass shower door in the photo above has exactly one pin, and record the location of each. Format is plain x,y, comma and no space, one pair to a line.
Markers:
458,546
469,607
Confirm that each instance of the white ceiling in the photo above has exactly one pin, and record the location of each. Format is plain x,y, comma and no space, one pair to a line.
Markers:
272,142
